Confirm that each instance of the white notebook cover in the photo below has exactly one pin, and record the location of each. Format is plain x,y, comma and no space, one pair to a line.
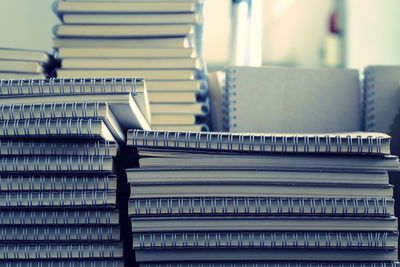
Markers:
269,99
382,97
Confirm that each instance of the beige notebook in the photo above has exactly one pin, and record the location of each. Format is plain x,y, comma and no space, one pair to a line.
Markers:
170,42
174,18
83,52
21,66
149,63
23,54
122,31
146,74
62,7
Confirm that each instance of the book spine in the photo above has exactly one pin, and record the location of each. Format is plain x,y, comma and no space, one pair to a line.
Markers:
261,206
56,183
17,147
58,199
64,217
256,143
229,102
264,240
59,233
60,251
70,86
369,101
55,163
65,263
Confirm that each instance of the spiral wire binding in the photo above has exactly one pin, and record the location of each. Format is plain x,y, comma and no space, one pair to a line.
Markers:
66,263
275,264
68,86
260,205
55,233
28,217
263,240
53,183
98,198
59,251
229,101
369,101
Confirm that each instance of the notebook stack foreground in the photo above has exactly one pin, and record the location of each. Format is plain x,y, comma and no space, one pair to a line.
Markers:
59,180
233,199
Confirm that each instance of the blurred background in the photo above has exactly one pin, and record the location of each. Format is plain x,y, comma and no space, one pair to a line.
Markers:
303,33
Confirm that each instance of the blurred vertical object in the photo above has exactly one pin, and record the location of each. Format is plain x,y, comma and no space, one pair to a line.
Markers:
333,43
246,31
216,84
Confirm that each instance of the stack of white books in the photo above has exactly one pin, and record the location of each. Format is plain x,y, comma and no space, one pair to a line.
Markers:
160,41
24,64
232,199
59,181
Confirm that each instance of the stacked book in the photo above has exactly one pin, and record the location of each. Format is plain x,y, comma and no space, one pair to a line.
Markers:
58,181
232,199
24,64
160,41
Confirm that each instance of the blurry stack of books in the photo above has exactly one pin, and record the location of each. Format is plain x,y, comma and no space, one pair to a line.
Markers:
158,40
231,199
58,183
24,64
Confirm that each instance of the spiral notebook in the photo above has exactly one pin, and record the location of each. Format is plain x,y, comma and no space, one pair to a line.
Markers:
57,182
60,251
265,239
60,233
26,147
69,263
264,206
269,99
282,263
126,99
78,216
279,254
341,143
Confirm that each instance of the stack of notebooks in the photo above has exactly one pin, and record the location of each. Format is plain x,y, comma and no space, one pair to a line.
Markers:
58,182
160,41
232,199
24,64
